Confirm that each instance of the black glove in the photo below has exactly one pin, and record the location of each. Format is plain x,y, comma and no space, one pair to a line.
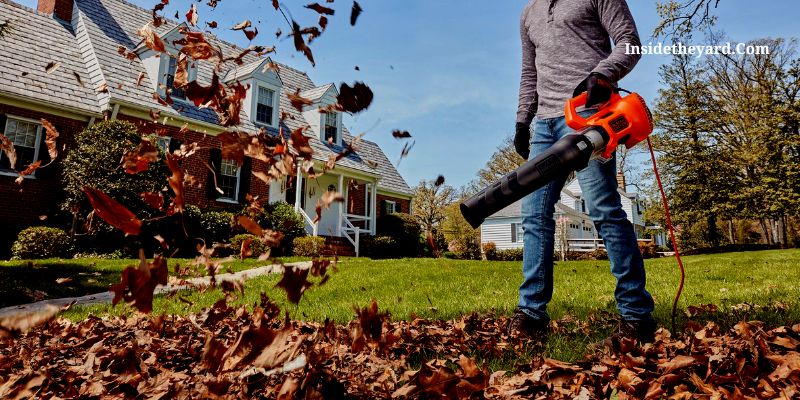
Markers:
598,88
522,140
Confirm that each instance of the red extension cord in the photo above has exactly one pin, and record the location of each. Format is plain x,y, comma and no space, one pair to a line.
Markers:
671,234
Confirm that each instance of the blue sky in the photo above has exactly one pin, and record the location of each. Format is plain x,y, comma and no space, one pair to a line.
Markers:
447,71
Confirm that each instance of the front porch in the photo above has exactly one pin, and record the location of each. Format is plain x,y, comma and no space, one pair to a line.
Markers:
347,220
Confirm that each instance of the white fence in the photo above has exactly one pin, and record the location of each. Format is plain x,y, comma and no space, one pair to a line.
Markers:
585,245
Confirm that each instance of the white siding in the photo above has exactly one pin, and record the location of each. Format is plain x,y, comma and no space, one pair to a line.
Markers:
498,231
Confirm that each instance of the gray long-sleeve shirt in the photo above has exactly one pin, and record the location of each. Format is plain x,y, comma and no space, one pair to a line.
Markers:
563,41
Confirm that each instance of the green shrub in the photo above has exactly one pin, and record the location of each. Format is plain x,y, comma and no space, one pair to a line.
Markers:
381,247
490,251
95,162
648,249
509,255
467,248
308,246
214,226
256,245
42,242
281,216
405,231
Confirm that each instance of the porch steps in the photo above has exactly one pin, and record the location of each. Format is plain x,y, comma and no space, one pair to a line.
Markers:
338,246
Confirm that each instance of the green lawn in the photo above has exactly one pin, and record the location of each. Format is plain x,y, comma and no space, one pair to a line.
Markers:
446,289
27,281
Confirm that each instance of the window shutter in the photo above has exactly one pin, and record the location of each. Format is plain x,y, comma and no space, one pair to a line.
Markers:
52,170
244,179
214,161
384,207
513,233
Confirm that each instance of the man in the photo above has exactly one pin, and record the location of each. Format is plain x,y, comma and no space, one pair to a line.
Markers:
566,49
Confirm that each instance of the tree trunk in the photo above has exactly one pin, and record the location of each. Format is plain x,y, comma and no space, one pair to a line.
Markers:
713,233
731,234
765,231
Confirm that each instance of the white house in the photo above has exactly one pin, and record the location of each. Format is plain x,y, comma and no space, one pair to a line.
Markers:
504,228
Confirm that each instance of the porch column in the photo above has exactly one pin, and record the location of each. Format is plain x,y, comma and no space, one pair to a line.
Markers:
374,208
341,205
298,189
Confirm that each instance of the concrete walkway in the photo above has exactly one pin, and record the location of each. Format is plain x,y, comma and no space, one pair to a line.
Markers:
107,297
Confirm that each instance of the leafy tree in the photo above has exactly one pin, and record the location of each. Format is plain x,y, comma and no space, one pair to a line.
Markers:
728,138
502,162
689,157
95,162
430,202
682,17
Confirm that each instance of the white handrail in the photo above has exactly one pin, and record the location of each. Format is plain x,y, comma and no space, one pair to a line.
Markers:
314,226
366,219
347,228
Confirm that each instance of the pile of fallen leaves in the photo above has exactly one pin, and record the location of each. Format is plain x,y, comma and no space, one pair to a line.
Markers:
226,352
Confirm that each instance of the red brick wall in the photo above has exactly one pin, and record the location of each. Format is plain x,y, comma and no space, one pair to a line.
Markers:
403,204
195,165
356,203
23,204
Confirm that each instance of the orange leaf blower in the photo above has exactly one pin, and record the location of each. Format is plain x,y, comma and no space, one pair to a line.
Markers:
622,120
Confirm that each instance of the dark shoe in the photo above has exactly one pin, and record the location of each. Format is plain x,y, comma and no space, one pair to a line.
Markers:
523,325
641,331
625,337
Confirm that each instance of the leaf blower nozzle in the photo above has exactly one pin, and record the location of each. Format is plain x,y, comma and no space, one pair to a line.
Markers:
623,120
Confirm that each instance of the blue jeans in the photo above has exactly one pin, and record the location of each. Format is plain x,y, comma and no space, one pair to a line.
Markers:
599,186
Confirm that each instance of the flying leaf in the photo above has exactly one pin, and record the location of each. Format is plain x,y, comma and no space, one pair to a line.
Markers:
355,13
176,184
398,134
298,101
151,39
300,44
294,282
15,324
191,15
320,8
153,199
111,211
242,25
51,67
138,284
439,181
50,140
354,99
251,226
29,170
8,147
301,143
325,202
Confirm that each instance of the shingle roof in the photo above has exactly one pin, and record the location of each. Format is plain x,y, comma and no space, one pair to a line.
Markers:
314,94
30,42
101,27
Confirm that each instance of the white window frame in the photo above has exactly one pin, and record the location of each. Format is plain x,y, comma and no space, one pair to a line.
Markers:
163,71
36,148
393,207
517,232
337,139
163,143
235,199
257,96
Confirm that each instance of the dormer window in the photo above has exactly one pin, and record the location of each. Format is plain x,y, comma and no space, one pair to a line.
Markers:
172,67
331,130
265,105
